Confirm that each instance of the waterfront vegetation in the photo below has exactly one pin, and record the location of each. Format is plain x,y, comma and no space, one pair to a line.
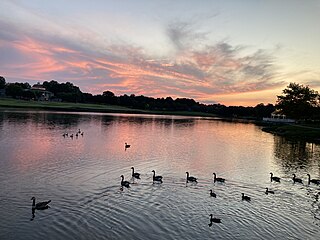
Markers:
297,101
305,131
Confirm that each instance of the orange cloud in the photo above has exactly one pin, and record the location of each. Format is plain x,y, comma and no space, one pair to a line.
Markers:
202,75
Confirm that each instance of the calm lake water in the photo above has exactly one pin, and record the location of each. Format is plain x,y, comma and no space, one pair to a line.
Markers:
82,178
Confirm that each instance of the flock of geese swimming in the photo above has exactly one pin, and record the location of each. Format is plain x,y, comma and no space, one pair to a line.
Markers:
158,179
189,178
75,135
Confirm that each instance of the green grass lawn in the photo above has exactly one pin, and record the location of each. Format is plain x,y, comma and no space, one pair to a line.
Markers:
8,103
14,103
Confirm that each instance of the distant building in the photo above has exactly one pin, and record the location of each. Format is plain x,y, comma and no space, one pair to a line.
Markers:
41,92
38,87
277,117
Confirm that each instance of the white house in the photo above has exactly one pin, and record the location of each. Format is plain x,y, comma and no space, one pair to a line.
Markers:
277,117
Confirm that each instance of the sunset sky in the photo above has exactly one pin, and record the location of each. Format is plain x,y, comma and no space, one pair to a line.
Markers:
228,52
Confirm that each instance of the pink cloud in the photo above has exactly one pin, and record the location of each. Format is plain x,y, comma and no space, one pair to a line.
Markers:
201,74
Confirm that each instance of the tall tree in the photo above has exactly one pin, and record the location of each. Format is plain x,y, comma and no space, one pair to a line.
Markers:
2,82
298,101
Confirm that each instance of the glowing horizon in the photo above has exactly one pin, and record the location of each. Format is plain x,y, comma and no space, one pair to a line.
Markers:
214,52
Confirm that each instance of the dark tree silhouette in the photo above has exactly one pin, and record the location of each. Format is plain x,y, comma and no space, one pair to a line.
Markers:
2,82
68,92
298,101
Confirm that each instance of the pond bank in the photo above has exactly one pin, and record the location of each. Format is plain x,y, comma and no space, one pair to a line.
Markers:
302,132
7,103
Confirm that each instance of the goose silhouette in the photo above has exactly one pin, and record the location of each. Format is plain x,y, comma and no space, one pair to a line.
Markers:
39,205
298,180
135,174
315,181
156,178
214,220
272,178
190,178
269,191
246,198
217,179
212,194
126,145
124,183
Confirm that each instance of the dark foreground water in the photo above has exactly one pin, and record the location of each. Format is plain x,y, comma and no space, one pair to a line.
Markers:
82,178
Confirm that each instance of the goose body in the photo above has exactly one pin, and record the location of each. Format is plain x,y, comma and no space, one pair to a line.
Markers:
126,145
156,178
214,220
269,191
124,183
212,194
135,174
298,180
190,178
315,181
246,198
272,178
39,205
217,179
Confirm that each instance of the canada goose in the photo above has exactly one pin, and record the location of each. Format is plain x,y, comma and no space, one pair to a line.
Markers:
39,205
315,181
212,194
126,145
82,134
298,180
79,131
124,183
71,135
269,191
217,179
156,178
135,174
214,220
191,179
272,178
246,198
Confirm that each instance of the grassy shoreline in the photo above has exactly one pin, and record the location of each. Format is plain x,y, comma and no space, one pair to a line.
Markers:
300,132
7,103
292,131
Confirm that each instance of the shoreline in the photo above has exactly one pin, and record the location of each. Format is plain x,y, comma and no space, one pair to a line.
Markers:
291,131
22,105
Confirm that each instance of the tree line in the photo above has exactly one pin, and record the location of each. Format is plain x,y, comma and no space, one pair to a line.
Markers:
297,101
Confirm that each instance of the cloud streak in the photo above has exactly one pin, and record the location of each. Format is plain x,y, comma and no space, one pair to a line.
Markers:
195,69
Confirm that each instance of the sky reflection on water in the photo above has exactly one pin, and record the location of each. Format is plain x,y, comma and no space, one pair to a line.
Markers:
81,176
